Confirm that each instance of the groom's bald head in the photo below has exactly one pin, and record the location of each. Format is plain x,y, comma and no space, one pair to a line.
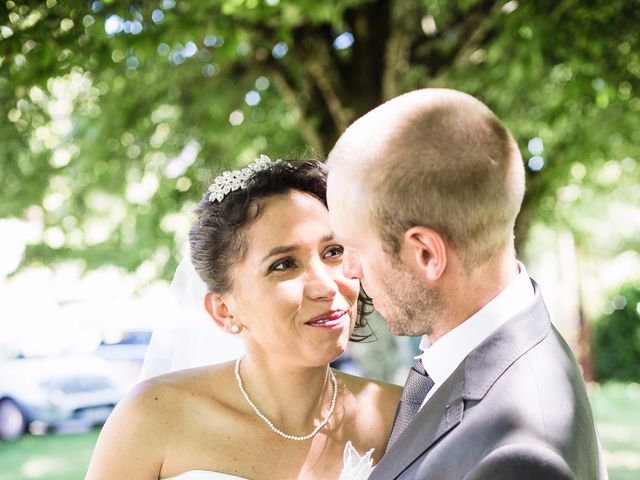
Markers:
437,158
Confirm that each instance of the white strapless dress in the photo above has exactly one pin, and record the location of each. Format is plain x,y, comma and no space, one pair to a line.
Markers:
356,467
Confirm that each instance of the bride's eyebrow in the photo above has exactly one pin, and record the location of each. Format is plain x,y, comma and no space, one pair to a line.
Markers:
290,248
280,250
327,238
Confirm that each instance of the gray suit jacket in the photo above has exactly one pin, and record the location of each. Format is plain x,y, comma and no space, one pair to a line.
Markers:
515,408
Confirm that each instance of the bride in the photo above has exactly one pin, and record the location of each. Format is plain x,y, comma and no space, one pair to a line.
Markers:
263,246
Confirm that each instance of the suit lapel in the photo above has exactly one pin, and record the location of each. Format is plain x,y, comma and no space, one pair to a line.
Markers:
486,363
470,381
440,414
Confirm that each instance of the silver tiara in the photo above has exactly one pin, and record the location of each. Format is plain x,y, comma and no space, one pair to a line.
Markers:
236,179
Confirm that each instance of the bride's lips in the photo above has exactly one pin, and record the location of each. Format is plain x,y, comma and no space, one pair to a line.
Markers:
330,319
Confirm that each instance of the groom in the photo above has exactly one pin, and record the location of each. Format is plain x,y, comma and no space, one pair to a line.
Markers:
424,191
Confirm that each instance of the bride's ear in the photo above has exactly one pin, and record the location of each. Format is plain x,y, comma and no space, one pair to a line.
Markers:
219,312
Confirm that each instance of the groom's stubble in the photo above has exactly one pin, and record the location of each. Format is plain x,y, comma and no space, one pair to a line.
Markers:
411,307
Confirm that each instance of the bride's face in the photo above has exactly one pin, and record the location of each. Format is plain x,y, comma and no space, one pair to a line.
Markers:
289,293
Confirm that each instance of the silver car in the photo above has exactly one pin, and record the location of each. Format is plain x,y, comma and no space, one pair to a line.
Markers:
37,394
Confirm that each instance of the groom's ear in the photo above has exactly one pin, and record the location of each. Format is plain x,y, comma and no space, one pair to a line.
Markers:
218,310
427,251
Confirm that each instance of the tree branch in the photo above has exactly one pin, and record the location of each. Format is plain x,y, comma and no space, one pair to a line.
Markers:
323,74
480,25
404,29
473,26
290,95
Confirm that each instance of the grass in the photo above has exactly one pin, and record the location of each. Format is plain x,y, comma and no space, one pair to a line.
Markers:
51,457
65,457
616,407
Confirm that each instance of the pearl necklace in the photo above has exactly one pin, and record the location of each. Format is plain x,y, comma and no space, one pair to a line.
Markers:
334,382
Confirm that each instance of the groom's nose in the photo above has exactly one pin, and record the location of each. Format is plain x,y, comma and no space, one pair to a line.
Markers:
351,265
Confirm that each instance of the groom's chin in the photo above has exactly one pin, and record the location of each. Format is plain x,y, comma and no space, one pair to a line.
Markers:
397,326
404,325
398,330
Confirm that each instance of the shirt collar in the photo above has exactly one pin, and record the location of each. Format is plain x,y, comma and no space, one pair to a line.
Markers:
441,358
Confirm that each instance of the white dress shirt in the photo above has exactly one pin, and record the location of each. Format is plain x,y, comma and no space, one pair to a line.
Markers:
442,357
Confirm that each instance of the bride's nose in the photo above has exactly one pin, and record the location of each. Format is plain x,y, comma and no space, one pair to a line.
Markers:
321,283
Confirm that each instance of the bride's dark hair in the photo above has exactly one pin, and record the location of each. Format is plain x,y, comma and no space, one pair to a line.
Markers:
218,237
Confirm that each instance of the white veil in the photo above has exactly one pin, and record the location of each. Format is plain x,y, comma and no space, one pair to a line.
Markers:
188,337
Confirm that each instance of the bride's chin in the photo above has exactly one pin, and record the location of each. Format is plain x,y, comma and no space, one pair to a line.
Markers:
331,355
329,349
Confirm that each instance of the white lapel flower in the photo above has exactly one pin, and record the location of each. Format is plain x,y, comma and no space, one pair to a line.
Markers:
356,467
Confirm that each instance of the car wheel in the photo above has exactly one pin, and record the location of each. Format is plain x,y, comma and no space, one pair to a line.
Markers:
12,421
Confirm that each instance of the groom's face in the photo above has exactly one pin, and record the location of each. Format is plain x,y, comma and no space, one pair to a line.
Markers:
364,257
408,306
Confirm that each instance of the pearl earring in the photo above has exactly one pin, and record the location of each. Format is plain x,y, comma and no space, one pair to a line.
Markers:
235,328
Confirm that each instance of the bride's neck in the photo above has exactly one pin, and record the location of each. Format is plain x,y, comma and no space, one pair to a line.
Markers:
291,397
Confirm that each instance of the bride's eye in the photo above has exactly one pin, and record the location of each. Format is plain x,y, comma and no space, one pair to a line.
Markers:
282,265
333,251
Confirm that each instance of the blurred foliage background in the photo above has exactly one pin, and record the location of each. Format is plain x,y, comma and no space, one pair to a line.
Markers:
617,337
116,114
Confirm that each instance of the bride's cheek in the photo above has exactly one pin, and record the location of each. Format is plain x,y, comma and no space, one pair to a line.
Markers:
354,314
356,293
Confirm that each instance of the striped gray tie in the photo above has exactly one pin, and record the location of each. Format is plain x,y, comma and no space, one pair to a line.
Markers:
415,390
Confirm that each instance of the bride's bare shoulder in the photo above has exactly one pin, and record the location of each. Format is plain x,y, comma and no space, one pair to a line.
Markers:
370,408
376,394
160,415
172,392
